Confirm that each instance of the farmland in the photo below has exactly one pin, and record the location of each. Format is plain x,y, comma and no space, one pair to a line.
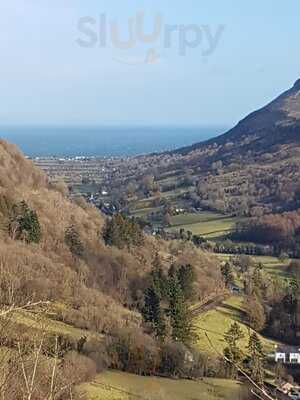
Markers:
207,224
216,322
123,386
272,265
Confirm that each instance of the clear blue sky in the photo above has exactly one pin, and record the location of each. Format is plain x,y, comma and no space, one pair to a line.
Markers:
47,78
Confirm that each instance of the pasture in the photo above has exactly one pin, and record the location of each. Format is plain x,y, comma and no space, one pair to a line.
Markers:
112,385
272,265
205,223
216,322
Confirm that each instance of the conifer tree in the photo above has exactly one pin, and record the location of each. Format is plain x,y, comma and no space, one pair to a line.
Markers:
187,277
257,283
297,317
159,279
227,273
182,329
232,350
153,312
255,313
24,224
72,240
296,275
122,232
113,232
256,357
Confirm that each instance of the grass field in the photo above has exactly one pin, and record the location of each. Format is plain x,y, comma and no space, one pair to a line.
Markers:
271,264
216,322
206,223
41,323
122,386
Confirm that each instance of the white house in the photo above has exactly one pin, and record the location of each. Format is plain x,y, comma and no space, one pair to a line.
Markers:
287,355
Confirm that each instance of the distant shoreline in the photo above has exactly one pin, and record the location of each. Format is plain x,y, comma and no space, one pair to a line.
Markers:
105,141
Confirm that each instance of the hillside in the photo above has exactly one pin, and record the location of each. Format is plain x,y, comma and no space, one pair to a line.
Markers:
276,123
120,386
60,281
252,169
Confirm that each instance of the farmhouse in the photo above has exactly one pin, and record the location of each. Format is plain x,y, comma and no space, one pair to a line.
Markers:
287,355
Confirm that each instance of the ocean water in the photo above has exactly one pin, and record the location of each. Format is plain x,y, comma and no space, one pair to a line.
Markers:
104,141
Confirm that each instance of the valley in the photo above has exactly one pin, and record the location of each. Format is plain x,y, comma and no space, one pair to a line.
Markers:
170,275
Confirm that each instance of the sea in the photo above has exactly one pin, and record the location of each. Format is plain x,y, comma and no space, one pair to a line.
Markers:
104,141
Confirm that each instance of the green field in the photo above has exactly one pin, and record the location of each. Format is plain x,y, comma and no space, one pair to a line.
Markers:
207,224
122,386
50,326
272,265
216,322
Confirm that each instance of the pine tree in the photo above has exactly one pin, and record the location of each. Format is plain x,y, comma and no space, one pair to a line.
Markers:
158,277
297,308
153,312
122,232
113,233
255,313
256,357
294,290
24,224
227,273
72,240
232,352
257,283
187,277
297,319
182,329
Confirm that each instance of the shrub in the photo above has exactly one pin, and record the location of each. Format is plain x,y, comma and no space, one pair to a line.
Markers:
134,352
179,361
96,350
24,224
79,367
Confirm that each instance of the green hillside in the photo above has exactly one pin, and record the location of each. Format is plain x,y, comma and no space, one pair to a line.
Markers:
123,386
216,322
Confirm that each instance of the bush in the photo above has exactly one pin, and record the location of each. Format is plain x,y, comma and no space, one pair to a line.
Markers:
96,350
177,360
24,224
79,367
134,352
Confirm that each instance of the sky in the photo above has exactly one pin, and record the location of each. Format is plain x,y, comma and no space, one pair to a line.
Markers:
207,63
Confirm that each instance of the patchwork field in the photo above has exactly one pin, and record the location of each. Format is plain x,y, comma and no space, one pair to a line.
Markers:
206,223
122,386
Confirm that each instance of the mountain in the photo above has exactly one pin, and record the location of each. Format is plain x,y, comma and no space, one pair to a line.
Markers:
255,167
277,123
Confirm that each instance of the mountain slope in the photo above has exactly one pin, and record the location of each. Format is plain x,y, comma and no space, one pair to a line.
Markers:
108,269
276,123
91,293
255,167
